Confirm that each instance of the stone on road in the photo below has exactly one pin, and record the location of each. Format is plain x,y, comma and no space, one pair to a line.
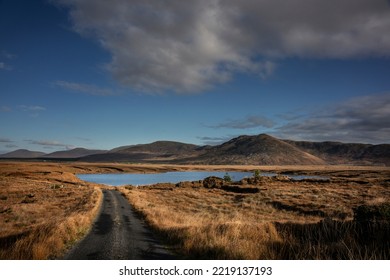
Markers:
119,234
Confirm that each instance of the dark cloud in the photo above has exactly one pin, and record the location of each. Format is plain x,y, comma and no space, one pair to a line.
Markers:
363,119
5,140
189,46
247,122
50,144
84,139
7,143
11,146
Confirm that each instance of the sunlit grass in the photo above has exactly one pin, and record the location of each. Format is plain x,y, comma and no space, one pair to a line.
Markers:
41,217
285,220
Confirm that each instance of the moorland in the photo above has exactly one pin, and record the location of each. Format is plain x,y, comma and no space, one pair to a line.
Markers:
45,209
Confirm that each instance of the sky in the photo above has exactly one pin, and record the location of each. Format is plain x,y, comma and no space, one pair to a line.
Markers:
101,74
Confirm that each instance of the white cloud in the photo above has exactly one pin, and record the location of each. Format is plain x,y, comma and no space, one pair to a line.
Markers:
191,45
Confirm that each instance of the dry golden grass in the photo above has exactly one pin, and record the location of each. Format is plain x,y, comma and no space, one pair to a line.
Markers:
43,212
285,220
206,223
44,209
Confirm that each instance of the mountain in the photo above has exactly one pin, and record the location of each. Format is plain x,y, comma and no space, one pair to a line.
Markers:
377,153
159,148
259,150
74,153
159,151
22,153
346,153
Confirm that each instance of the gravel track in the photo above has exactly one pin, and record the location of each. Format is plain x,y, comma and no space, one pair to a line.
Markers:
119,234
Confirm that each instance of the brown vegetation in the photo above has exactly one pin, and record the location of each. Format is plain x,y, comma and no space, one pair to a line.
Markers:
283,219
43,210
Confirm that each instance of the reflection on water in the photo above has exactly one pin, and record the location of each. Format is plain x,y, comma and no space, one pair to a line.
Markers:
170,177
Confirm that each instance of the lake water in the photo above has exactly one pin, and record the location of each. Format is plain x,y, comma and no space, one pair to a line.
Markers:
154,178
169,177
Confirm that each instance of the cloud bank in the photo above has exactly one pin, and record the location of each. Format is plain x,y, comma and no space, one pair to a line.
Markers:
189,46
364,119
50,144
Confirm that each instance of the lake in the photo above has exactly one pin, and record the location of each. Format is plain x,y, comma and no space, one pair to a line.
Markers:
154,178
169,177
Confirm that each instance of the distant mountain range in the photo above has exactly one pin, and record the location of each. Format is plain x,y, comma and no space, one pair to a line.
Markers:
74,153
260,149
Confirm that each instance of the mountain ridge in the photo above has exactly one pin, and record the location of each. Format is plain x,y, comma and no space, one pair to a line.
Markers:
261,149
73,153
22,153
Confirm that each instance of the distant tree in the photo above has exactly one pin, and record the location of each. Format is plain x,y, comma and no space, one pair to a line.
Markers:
227,178
257,174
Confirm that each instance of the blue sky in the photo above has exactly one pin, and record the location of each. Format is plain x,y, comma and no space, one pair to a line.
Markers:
101,74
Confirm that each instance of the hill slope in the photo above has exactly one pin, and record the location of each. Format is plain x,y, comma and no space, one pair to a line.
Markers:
346,153
159,151
22,153
260,150
74,153
159,148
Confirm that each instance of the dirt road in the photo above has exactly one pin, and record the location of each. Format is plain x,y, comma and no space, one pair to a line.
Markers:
118,234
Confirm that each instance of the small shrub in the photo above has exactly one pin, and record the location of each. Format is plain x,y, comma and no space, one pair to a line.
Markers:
257,174
227,178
